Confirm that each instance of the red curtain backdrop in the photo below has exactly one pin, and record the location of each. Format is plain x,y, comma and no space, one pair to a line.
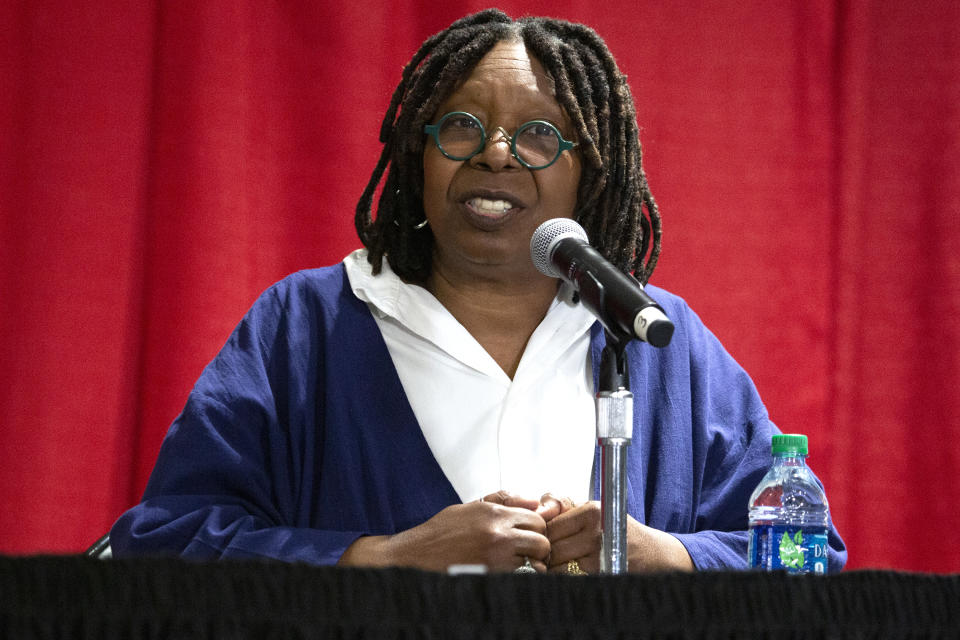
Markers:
162,163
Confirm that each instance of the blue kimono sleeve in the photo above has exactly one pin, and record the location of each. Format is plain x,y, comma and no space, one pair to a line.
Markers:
729,434
737,466
227,482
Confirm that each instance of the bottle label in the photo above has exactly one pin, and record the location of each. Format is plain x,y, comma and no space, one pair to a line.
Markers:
790,548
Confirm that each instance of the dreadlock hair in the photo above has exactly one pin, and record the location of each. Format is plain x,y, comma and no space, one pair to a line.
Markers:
614,204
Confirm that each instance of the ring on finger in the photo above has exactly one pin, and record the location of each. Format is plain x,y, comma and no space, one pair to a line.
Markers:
573,569
526,567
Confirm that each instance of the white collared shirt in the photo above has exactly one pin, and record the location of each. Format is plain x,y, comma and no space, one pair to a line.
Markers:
530,435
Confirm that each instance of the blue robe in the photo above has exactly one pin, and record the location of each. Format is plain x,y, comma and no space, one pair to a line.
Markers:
298,438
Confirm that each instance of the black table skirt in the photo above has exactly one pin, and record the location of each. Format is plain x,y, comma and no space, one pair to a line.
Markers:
78,597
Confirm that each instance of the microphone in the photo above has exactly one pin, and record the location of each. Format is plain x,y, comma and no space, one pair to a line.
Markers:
560,249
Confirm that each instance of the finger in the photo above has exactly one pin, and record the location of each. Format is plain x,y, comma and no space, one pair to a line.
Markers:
565,503
510,554
526,519
586,544
496,498
511,500
521,502
570,523
527,544
538,565
503,518
551,506
589,565
525,564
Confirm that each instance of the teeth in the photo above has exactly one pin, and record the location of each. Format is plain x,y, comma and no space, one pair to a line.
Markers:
484,205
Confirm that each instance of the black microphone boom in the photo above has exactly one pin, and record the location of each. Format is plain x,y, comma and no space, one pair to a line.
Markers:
560,249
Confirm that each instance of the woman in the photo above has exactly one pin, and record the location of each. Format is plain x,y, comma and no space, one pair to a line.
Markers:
429,401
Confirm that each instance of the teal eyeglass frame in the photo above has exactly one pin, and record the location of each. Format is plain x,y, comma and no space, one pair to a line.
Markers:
434,131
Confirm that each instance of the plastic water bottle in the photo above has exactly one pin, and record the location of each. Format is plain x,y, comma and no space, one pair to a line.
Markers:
789,514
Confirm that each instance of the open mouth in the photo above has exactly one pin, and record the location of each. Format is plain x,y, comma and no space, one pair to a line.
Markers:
490,206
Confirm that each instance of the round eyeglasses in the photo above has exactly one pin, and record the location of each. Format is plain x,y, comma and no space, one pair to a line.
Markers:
460,136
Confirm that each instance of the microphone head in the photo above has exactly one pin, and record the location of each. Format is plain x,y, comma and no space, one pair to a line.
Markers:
545,239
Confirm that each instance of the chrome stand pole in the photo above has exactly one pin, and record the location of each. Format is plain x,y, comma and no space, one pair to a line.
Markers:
614,431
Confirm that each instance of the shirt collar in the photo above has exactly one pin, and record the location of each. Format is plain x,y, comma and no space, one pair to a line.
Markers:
417,310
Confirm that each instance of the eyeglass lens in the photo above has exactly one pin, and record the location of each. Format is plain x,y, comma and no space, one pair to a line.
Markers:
537,144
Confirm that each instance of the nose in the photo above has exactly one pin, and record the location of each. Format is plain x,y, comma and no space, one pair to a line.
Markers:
499,135
496,154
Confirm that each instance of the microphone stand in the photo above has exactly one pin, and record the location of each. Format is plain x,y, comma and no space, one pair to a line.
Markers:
614,431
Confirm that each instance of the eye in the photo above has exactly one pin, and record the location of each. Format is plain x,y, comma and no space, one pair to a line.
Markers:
541,129
460,122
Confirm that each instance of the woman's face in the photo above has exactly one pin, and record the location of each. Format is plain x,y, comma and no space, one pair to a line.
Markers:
483,211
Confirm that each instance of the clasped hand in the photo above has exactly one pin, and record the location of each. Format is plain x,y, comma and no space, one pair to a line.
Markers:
502,530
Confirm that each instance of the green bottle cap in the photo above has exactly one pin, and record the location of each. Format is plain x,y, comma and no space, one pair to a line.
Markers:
794,443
